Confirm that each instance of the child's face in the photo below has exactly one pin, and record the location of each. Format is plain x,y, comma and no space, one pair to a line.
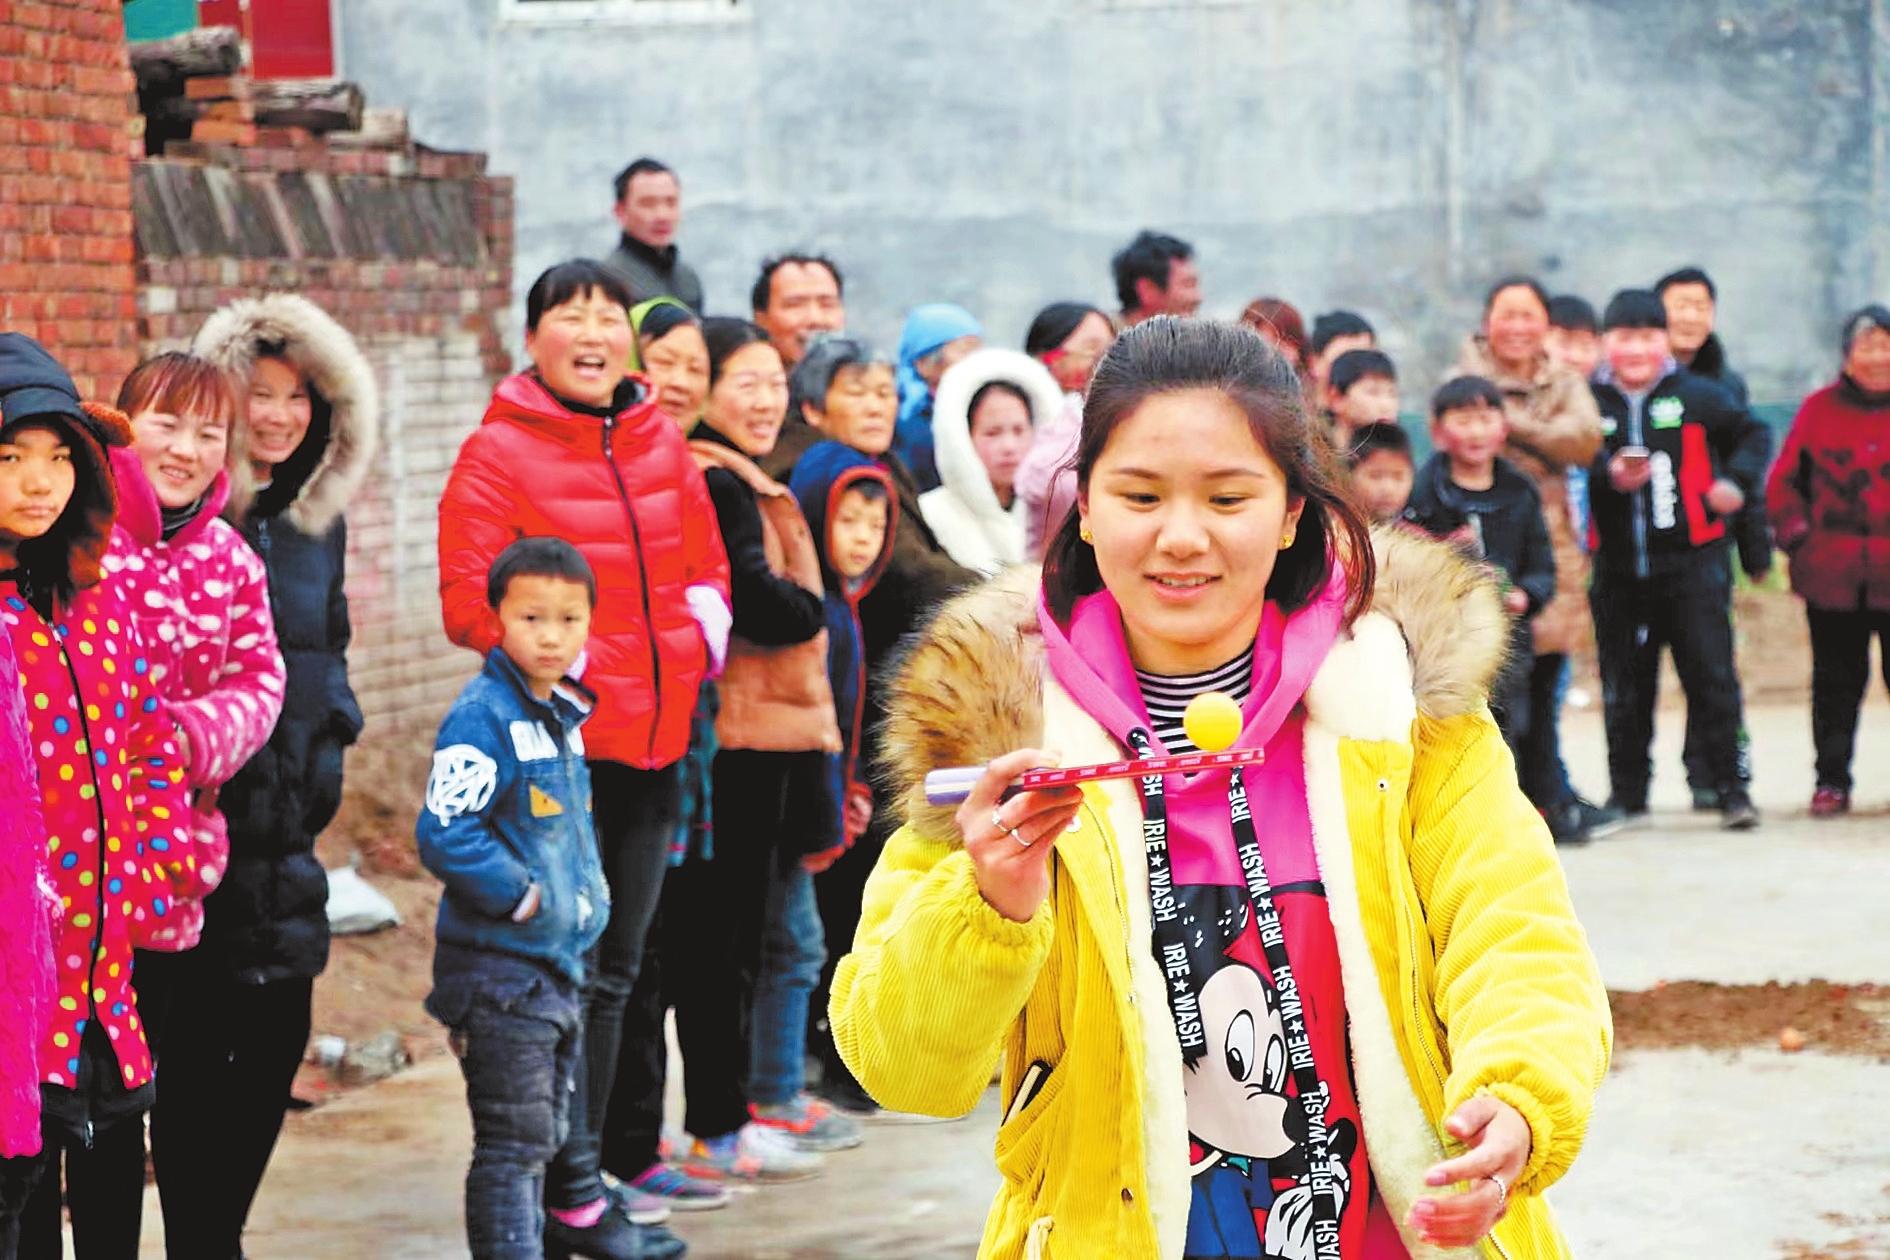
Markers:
545,621
857,534
1637,356
1371,399
1382,484
1575,348
36,482
861,408
1472,436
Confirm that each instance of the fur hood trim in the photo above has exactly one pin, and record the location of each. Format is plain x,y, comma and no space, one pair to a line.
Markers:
972,687
327,356
959,468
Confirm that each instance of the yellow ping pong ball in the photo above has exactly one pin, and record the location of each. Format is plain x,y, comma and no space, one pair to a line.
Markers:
1212,721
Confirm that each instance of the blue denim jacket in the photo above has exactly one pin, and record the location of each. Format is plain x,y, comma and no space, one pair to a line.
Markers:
508,806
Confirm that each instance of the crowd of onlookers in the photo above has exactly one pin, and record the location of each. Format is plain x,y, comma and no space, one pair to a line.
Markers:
687,547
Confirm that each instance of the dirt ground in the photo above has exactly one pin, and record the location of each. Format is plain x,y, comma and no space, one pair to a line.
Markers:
1834,1018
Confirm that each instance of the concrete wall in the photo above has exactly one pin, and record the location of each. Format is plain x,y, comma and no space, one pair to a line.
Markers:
1388,155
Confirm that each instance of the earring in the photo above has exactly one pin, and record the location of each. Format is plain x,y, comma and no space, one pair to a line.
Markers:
1287,541
1083,533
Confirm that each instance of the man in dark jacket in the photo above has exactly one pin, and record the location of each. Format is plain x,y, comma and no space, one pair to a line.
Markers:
1678,459
1691,300
649,207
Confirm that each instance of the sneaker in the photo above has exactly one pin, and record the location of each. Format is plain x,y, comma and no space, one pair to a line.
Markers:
752,1153
846,1096
671,1186
1829,802
611,1238
637,1207
1737,812
1707,801
1631,812
812,1124
1565,825
1600,821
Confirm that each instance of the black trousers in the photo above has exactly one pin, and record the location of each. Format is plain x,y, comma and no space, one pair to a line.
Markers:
1840,674
1686,609
1539,767
230,1052
636,813
839,889
704,950
1699,774
103,1184
1511,700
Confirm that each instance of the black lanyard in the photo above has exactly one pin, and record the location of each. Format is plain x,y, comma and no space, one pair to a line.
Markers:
1171,952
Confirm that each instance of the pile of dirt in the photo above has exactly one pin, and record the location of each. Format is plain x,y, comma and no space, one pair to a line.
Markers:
1834,1018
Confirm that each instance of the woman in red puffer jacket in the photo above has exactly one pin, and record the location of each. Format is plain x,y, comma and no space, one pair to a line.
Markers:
576,448
1830,503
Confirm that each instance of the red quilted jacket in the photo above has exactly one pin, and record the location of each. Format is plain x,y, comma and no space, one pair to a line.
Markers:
116,817
1829,498
626,493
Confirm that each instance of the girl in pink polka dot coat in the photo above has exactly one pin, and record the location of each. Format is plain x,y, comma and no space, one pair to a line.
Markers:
110,785
200,598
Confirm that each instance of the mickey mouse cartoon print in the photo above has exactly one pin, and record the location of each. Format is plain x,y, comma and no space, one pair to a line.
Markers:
1253,1196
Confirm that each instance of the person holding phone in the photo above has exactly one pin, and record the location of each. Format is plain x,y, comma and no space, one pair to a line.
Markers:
1678,458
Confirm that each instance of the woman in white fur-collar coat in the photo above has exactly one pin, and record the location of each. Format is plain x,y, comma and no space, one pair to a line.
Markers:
988,410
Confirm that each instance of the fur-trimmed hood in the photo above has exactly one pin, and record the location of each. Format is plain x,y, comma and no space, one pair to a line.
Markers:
959,468
972,687
336,371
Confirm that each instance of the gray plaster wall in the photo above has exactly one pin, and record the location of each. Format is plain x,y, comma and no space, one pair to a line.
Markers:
1392,156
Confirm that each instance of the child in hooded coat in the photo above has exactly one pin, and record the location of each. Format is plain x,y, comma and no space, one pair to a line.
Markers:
111,791
830,479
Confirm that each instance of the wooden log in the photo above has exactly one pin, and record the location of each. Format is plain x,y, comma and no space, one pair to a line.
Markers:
163,65
381,128
228,87
213,131
317,105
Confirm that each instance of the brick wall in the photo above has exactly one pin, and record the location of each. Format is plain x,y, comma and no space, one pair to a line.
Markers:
411,252
65,186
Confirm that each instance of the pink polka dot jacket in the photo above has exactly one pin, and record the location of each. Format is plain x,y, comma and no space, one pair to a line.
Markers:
201,603
26,918
111,791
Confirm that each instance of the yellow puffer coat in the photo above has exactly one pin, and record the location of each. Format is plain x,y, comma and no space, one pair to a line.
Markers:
1465,970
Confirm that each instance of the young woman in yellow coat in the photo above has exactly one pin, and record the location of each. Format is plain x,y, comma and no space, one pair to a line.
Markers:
1335,1005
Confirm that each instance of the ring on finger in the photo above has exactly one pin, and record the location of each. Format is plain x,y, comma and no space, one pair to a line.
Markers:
1502,1187
998,822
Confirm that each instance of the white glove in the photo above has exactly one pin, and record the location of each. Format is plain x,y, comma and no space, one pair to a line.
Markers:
711,612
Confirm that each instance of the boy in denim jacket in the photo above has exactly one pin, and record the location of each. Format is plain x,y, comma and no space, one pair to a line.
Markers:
507,828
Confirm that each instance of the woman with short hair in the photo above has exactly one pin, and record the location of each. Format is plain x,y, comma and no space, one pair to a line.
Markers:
1830,497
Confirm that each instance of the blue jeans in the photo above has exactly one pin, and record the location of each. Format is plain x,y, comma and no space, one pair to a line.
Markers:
516,1026
793,949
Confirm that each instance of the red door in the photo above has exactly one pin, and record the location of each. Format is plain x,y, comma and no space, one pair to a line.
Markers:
289,39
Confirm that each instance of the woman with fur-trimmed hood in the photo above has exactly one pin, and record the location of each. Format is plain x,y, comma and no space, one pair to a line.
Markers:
1334,1003
989,408
239,1020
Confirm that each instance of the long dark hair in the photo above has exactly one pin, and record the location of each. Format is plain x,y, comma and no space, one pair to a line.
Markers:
1166,355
